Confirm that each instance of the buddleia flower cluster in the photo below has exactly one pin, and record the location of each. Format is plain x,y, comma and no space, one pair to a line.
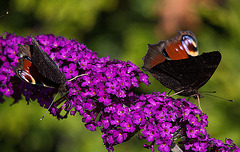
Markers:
104,97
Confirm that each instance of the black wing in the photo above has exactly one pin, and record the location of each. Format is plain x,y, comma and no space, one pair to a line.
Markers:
45,65
187,74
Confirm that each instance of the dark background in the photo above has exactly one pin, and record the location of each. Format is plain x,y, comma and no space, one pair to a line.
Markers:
122,29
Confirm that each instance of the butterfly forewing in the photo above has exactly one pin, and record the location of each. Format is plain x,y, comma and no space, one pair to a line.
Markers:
45,65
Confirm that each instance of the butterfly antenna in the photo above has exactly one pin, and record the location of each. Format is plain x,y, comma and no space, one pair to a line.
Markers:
49,106
219,97
209,91
77,77
176,93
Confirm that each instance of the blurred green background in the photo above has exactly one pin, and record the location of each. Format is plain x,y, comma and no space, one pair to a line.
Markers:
122,29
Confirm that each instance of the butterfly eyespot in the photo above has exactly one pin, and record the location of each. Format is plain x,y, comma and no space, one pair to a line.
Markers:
29,80
26,77
164,52
190,45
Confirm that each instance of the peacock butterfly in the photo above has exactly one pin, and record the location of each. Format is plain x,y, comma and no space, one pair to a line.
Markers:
36,67
175,63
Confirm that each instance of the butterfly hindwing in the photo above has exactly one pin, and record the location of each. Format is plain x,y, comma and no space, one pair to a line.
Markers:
187,74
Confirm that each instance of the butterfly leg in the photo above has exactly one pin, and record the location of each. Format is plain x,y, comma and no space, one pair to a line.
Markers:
77,77
199,102
49,106
169,93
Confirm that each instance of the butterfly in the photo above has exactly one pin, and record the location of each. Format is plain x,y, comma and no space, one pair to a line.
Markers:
37,68
175,63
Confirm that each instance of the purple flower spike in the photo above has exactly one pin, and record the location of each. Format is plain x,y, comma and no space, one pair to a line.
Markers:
103,97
